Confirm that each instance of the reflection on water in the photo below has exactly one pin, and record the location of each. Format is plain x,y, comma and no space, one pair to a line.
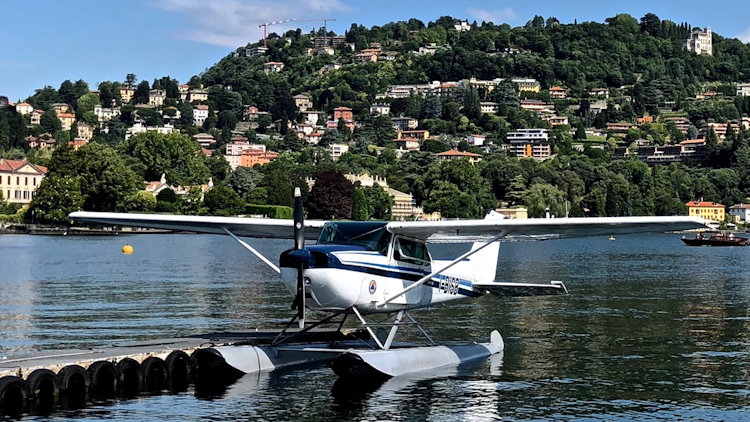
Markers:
652,329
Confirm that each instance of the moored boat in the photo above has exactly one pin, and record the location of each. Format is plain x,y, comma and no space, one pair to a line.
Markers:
718,239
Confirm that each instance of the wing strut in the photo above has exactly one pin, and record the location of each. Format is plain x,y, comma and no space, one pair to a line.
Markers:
251,249
429,276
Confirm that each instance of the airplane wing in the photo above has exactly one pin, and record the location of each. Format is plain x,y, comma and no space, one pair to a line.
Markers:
541,228
249,227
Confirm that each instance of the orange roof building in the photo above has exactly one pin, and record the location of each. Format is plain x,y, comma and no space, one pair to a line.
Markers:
453,154
252,157
708,210
19,179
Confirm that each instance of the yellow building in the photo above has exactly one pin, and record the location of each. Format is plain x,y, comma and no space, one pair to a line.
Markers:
126,94
707,210
19,179
514,213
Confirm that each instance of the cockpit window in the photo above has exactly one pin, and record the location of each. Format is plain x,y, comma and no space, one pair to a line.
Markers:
372,236
411,251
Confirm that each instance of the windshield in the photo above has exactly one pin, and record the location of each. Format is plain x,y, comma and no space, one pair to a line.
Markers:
372,236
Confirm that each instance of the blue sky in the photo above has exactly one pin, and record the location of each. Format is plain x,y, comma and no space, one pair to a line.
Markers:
47,41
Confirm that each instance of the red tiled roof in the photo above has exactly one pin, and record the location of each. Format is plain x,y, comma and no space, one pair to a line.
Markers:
704,204
693,141
456,153
14,165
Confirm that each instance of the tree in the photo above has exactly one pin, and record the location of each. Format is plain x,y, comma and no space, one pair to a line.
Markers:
107,93
221,200
49,122
379,202
244,179
86,103
141,93
517,190
331,196
360,206
474,199
55,198
543,196
130,80
140,201
580,131
108,181
471,108
175,155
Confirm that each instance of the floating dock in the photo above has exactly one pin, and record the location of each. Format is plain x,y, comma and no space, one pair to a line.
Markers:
41,382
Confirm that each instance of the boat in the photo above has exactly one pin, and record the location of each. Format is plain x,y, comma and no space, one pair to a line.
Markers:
718,239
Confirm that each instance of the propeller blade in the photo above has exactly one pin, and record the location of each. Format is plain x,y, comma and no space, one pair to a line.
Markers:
299,243
299,221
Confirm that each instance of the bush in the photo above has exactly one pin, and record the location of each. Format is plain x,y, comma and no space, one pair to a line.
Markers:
271,211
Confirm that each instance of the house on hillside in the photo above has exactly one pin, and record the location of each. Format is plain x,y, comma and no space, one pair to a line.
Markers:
19,180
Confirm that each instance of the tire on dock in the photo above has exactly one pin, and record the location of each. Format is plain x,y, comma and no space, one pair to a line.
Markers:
14,395
74,383
104,376
44,391
212,373
179,370
130,381
155,374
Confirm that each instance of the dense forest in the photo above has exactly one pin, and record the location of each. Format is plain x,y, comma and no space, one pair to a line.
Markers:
642,62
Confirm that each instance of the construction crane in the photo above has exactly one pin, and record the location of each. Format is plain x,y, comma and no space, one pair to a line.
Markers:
267,24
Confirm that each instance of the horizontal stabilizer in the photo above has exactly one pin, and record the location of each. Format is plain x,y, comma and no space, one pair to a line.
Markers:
501,288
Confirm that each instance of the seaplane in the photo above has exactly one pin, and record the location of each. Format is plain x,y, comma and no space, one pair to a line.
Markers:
383,269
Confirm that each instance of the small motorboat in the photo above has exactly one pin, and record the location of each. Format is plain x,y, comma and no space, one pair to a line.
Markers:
718,239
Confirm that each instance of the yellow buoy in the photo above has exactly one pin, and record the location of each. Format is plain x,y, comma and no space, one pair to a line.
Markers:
611,238
127,249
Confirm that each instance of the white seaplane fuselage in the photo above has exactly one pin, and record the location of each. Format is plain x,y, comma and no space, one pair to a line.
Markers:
343,275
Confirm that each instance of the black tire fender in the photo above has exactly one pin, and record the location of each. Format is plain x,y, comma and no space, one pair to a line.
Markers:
14,395
155,374
104,376
74,383
130,381
44,389
180,369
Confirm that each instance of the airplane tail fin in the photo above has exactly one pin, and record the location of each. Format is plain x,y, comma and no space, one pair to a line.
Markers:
484,262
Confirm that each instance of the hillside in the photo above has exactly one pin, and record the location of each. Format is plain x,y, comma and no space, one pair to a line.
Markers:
613,118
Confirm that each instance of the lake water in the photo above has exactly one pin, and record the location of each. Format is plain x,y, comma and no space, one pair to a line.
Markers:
651,329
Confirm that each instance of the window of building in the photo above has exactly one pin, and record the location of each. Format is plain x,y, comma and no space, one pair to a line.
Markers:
26,181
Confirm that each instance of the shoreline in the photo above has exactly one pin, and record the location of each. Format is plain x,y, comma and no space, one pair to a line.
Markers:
72,230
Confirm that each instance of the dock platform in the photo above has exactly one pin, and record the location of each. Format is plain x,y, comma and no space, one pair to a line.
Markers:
38,382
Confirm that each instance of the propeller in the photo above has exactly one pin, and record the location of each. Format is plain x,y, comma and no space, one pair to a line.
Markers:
299,244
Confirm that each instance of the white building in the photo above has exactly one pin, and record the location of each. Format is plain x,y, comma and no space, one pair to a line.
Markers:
200,114
699,42
740,212
139,128
743,90
235,149
476,140
377,108
529,143
106,114
489,107
24,108
337,150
